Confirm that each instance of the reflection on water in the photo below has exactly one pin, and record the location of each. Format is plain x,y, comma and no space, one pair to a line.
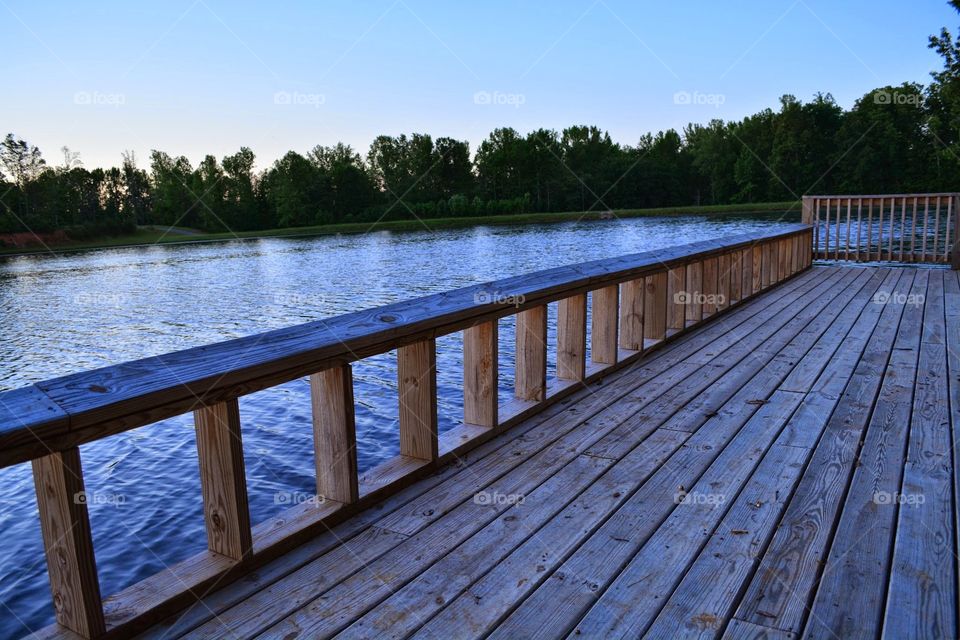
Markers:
61,314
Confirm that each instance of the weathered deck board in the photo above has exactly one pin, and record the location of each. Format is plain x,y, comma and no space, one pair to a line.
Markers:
797,408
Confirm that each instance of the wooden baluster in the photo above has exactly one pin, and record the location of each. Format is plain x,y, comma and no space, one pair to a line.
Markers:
782,257
65,526
709,286
859,226
746,276
736,276
880,232
893,218
826,231
480,363
903,224
417,386
223,480
572,337
913,232
335,434
603,325
869,246
769,265
836,244
723,281
655,307
631,314
926,220
676,299
530,378
757,269
694,289
816,226
936,230
846,254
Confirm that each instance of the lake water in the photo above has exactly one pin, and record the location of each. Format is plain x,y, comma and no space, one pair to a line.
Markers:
68,313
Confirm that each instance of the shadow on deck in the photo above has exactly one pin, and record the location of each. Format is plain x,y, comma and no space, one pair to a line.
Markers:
783,471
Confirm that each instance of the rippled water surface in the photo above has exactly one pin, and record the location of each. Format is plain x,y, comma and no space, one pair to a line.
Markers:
61,314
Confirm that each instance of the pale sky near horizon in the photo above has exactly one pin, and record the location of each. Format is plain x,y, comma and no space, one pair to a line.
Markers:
193,77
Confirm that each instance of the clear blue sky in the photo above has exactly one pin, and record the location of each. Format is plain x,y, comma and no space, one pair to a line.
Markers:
206,76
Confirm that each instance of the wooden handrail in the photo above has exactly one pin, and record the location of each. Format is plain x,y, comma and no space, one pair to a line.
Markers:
638,302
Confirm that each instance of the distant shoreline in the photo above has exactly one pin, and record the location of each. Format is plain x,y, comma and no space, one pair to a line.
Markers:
157,235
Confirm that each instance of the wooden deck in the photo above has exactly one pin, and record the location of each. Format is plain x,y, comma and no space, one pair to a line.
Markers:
783,471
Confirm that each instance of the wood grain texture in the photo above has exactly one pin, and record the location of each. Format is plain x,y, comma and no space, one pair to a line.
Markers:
710,286
694,290
572,337
335,434
68,543
787,574
480,374
417,390
757,269
223,480
530,378
723,282
631,314
676,296
603,324
655,306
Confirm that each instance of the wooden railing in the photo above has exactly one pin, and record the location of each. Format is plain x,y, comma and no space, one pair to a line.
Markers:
917,227
638,302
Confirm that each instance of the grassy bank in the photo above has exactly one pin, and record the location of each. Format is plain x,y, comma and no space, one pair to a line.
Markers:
159,235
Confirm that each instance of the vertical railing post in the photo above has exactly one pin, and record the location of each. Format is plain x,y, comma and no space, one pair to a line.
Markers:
572,337
223,480
746,274
631,314
480,365
655,307
676,298
65,526
709,286
736,276
335,434
530,378
769,265
603,325
783,258
417,385
723,281
694,292
806,210
757,269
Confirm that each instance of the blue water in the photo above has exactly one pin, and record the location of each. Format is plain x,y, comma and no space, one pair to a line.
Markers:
66,313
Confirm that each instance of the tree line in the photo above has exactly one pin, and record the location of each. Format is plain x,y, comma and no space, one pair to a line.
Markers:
902,138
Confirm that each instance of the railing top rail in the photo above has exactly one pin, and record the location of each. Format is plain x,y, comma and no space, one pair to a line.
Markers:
884,195
64,412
